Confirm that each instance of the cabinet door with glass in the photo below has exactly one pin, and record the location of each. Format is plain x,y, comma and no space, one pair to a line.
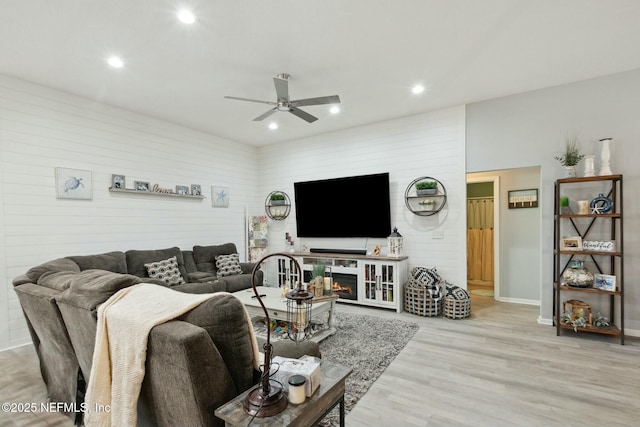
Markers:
380,284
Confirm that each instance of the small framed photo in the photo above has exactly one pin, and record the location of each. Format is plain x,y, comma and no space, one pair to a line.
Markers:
118,182
141,186
605,282
571,243
196,190
182,190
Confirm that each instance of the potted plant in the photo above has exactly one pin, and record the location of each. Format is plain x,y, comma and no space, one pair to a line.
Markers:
277,199
564,205
426,188
571,156
427,205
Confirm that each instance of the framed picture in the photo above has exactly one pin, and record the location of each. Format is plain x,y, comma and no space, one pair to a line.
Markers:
220,197
141,186
118,182
594,245
571,243
523,198
73,184
182,190
196,190
606,282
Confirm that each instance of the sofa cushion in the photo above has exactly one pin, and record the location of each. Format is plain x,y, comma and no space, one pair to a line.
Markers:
166,270
59,280
228,265
60,264
136,259
111,261
91,288
205,256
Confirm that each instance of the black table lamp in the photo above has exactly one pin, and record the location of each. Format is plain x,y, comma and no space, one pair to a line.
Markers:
268,398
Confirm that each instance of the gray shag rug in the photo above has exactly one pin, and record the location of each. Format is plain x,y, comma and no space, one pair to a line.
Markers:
368,345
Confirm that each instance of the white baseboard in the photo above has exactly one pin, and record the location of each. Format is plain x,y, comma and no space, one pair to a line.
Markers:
519,301
543,321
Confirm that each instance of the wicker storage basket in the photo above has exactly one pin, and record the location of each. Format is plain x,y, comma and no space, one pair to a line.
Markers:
418,300
457,308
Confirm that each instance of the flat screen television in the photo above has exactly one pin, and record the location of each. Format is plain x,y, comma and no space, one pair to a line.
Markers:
354,206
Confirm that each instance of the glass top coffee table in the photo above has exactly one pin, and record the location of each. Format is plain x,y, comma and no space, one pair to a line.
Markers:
277,307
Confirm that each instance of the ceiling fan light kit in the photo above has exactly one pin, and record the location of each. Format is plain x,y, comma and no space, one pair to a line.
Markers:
284,104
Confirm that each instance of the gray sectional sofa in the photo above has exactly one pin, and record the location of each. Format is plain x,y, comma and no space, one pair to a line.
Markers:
194,363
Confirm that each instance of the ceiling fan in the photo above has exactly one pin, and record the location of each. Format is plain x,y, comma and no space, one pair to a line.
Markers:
283,103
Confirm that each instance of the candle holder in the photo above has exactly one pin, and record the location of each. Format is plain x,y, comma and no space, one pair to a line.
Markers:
605,156
268,397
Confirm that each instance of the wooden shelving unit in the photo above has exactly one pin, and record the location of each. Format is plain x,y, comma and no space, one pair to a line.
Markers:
608,227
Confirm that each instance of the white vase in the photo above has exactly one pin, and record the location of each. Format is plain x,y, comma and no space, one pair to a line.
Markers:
605,156
570,171
589,169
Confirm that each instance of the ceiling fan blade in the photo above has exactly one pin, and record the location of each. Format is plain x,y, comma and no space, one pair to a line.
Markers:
251,100
282,88
334,99
302,114
265,115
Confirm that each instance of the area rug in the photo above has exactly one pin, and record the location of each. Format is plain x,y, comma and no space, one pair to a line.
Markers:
483,292
368,345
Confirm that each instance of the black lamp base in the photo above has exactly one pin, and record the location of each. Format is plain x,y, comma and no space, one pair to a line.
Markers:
262,405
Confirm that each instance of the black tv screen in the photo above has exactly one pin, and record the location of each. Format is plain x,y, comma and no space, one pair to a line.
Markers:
355,206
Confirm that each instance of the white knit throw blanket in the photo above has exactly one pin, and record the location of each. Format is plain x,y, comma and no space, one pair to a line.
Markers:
124,323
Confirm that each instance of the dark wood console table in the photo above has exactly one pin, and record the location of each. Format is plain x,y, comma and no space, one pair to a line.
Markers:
326,397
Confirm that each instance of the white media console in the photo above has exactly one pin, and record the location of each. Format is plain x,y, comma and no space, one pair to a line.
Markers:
357,279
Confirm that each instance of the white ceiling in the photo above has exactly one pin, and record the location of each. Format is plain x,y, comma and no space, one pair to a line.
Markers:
370,52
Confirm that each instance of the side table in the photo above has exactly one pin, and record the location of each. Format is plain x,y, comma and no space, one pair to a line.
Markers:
326,397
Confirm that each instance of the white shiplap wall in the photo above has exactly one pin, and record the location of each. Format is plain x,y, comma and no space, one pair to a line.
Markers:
41,129
429,144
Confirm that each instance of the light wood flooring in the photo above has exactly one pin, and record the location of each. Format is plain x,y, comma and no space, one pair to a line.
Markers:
497,368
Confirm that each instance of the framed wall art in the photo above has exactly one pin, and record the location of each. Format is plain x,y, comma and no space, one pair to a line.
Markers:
196,190
73,184
182,190
220,197
523,198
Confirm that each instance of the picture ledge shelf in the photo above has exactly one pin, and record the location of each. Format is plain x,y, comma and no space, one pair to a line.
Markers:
154,193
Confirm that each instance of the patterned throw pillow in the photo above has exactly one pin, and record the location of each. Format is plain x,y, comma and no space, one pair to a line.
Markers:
456,292
228,265
428,278
425,276
166,271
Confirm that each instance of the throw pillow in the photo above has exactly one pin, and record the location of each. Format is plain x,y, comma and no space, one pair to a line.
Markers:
456,292
166,270
427,277
228,265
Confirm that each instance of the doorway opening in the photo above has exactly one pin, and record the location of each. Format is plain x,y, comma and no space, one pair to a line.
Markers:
483,201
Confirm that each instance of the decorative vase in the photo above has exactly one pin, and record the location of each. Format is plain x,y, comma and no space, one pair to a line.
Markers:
605,157
589,169
570,171
577,276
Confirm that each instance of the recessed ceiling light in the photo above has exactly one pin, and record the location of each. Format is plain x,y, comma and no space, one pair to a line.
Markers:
417,89
186,16
273,126
334,110
115,62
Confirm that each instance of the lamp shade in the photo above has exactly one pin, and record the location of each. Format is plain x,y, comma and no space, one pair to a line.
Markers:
395,243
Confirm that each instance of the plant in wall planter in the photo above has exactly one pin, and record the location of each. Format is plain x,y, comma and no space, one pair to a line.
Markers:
426,188
427,205
277,199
